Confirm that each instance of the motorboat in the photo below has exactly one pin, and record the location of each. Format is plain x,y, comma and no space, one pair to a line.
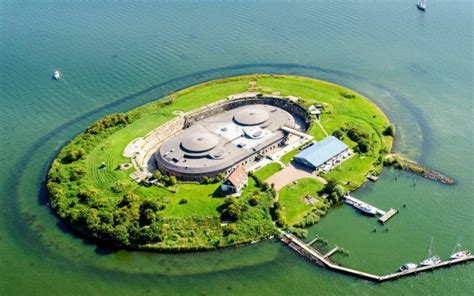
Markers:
408,267
57,75
365,208
421,4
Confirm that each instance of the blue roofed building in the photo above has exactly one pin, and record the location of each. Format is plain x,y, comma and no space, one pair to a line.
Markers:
321,153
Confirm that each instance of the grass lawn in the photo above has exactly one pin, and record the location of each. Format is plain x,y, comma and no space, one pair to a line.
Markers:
267,171
291,199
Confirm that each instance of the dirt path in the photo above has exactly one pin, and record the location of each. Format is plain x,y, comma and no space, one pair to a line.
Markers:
290,174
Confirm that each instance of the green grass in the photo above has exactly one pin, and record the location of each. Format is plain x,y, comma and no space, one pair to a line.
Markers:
267,171
286,159
200,201
291,199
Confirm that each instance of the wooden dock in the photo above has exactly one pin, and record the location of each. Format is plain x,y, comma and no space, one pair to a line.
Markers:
389,214
312,254
313,241
331,252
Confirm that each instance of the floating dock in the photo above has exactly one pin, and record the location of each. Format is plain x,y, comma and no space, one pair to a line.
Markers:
389,214
313,255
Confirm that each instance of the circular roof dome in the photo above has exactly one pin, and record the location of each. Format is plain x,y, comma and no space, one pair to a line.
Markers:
200,142
251,116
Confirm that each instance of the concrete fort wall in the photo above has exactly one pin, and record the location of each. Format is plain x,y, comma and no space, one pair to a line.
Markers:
164,132
222,106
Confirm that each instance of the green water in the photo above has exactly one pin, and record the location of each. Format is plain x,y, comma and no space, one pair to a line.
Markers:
115,55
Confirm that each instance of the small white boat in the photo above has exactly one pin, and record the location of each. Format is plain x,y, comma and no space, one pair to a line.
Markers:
365,208
460,255
421,5
57,75
431,260
457,253
408,267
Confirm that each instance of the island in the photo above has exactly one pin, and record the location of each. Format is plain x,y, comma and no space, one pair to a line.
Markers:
223,163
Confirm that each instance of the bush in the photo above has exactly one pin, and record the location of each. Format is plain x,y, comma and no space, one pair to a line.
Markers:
107,122
347,95
361,137
389,131
73,155
338,134
183,201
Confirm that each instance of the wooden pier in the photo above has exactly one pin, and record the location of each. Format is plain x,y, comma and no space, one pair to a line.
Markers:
312,254
389,214
331,252
313,241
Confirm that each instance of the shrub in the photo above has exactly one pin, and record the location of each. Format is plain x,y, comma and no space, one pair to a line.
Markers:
107,122
183,201
73,155
389,131
338,134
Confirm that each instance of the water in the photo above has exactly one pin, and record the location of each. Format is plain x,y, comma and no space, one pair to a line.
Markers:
115,55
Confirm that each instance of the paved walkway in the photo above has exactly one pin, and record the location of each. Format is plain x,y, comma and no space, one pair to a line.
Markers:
290,174
322,128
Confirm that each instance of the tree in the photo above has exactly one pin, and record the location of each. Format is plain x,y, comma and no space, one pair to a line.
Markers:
73,155
389,131
157,174
338,134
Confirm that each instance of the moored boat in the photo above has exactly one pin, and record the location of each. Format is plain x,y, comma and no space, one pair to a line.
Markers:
365,208
460,255
408,267
430,261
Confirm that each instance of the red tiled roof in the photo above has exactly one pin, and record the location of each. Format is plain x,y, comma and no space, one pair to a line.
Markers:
238,177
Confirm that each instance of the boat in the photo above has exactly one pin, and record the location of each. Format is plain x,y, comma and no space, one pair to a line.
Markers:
408,266
361,206
460,255
366,209
457,253
421,4
57,75
431,260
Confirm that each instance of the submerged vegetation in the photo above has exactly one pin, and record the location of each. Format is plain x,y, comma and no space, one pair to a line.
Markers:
91,190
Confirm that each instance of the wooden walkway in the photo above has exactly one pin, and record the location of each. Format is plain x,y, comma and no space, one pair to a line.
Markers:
313,241
331,252
311,253
389,214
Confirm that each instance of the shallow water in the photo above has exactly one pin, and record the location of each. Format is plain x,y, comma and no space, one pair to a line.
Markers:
116,55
